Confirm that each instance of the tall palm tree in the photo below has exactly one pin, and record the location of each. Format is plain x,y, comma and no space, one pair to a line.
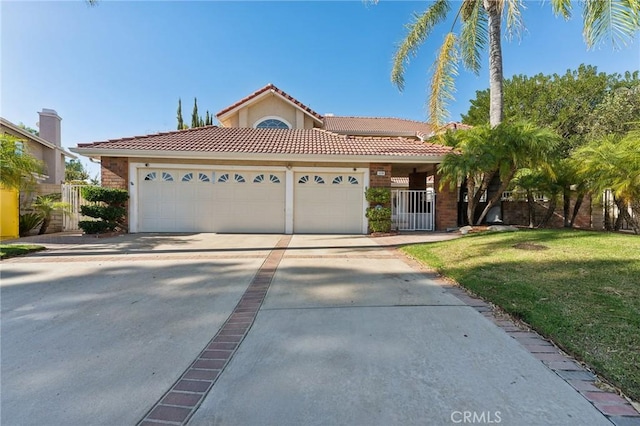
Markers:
480,25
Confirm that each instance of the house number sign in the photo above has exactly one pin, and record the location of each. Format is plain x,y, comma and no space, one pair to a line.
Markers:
380,173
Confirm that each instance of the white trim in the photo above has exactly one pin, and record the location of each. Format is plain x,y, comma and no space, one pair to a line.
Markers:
272,117
288,201
257,99
242,156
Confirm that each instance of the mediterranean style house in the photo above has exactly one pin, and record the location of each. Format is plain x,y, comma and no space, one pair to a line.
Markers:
274,165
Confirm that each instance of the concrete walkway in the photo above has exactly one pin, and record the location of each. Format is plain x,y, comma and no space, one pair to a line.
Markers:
238,330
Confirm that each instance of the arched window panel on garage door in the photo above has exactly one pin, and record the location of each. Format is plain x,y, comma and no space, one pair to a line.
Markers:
223,178
167,177
337,180
151,176
318,179
303,179
258,179
187,177
353,180
239,178
274,179
203,177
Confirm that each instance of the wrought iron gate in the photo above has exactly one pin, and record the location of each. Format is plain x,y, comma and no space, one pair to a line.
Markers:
413,210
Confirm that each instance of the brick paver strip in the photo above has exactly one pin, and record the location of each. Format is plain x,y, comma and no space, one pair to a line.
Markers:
184,397
616,408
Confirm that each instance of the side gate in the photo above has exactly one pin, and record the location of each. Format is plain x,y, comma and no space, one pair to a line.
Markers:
71,195
413,210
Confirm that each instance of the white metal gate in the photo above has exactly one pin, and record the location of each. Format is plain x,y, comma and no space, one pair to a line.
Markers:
413,210
71,195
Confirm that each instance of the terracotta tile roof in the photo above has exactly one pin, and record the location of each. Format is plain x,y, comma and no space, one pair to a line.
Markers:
380,126
276,90
215,139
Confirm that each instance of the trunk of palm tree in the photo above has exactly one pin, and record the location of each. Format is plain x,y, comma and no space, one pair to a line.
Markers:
496,197
550,211
532,208
495,62
566,208
576,207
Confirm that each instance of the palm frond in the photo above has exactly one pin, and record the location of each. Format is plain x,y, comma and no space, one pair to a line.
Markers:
617,21
445,69
473,36
562,7
417,32
515,25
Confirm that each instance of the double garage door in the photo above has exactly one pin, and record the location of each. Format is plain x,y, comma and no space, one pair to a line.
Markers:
192,200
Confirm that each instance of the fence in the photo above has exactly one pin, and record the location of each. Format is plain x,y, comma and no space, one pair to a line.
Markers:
72,195
413,210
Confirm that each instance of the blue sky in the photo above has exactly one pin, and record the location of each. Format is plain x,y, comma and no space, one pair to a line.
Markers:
118,69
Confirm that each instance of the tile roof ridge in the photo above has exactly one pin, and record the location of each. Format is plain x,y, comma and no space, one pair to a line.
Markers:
379,118
152,135
272,87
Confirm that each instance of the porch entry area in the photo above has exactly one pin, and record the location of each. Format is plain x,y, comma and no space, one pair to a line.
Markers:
413,210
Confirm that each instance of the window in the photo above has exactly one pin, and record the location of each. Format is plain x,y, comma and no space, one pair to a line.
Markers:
258,179
318,179
239,178
272,123
19,148
223,178
303,179
274,179
187,177
167,177
203,177
150,176
337,180
353,180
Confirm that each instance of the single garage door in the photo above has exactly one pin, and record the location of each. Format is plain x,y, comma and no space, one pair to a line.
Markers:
328,203
192,200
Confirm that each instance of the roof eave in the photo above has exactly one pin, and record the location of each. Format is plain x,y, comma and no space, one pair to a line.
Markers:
248,156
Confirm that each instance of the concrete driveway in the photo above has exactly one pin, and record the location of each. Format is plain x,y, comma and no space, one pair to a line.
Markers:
348,334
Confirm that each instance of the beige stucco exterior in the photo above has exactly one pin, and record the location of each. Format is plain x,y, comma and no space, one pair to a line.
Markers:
269,105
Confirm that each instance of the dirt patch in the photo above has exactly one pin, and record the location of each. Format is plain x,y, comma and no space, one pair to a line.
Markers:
530,246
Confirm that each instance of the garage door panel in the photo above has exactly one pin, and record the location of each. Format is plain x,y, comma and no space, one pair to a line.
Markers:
328,207
193,200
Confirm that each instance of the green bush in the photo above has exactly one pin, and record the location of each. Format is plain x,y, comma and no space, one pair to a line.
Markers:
97,226
378,195
108,213
108,206
377,214
380,226
111,196
28,221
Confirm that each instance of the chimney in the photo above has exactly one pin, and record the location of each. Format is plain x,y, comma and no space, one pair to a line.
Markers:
49,126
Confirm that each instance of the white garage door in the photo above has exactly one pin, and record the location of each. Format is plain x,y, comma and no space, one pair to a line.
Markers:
192,200
328,203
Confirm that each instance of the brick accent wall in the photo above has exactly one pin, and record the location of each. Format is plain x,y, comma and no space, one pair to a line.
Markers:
376,181
446,205
115,174
517,213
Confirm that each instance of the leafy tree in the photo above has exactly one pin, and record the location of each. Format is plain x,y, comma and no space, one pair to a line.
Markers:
17,167
477,26
75,172
483,153
618,113
180,120
613,163
28,129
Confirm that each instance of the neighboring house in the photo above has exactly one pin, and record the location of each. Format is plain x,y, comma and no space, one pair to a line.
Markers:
47,147
274,165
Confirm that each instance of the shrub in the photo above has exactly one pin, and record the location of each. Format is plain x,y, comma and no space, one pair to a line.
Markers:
28,221
110,196
108,206
380,226
97,226
377,214
378,195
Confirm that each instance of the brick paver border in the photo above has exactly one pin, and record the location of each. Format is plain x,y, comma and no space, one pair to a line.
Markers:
616,408
184,397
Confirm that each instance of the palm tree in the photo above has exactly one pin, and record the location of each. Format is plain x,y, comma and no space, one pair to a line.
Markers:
613,163
480,24
483,153
45,205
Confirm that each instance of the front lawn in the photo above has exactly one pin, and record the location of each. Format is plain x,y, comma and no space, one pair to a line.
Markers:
13,250
579,288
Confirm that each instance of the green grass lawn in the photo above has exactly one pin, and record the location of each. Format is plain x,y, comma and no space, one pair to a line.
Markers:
13,250
579,288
